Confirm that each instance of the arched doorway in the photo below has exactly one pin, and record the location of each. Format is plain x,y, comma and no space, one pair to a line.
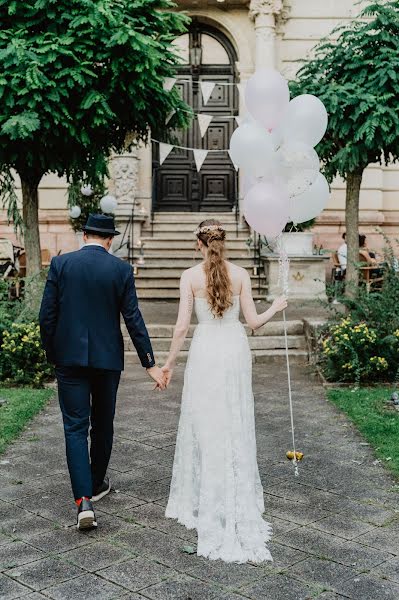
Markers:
209,56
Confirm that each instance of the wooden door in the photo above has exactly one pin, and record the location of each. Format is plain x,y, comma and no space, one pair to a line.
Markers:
177,185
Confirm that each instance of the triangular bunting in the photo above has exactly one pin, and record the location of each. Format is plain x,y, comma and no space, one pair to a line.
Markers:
169,83
170,115
164,151
199,157
206,90
235,166
203,122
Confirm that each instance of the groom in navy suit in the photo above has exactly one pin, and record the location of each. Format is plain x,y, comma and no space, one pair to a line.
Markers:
86,293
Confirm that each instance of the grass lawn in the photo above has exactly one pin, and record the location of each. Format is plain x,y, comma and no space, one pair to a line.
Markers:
22,404
379,425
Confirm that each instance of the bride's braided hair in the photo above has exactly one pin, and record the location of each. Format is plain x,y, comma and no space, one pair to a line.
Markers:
218,284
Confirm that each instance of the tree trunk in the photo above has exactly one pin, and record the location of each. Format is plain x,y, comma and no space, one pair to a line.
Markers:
353,183
30,213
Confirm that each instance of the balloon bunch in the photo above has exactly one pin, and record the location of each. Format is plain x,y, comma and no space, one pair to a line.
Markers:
274,146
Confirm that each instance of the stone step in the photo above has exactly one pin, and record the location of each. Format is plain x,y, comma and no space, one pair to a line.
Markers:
258,356
188,235
268,342
193,217
148,293
184,259
164,281
169,271
273,328
184,243
189,227
190,253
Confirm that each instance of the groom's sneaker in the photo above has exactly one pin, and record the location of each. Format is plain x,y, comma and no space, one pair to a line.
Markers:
86,516
102,490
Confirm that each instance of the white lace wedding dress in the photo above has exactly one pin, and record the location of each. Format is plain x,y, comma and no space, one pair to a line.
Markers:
215,486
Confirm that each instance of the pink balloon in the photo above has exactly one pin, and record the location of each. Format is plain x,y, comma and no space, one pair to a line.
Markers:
267,97
266,208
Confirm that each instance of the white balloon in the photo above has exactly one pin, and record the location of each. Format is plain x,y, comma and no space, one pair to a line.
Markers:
267,96
251,149
311,203
108,204
298,165
75,212
86,190
305,120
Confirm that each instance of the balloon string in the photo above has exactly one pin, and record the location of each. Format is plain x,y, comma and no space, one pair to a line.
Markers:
290,395
284,266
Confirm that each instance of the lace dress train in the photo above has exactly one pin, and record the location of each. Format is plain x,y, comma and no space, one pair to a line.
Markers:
215,486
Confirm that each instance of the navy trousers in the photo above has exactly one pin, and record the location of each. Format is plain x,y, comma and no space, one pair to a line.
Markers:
87,398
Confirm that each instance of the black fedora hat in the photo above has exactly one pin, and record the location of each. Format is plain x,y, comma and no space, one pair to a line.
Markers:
100,224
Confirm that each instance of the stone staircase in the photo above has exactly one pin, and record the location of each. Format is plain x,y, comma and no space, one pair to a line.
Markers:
169,249
267,343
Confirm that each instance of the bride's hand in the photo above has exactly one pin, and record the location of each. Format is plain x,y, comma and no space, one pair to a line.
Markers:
280,303
168,372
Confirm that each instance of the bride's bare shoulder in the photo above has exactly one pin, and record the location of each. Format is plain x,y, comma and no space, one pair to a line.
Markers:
236,270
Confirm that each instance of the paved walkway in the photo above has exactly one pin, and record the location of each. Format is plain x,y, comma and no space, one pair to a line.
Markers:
336,534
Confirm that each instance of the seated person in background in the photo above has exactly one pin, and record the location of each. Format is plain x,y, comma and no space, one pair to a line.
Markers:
364,253
342,254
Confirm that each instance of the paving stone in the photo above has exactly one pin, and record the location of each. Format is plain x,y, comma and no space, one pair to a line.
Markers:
10,589
328,546
284,556
60,540
99,556
87,587
369,588
342,525
278,587
296,512
383,538
183,589
323,572
229,575
137,574
44,504
44,573
166,549
24,525
116,503
17,553
388,569
152,515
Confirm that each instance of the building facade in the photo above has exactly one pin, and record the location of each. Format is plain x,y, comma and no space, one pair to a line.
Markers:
227,41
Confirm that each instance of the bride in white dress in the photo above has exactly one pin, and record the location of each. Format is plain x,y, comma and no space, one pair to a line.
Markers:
215,486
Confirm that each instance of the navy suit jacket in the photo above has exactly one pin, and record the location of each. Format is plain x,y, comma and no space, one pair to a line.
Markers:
85,294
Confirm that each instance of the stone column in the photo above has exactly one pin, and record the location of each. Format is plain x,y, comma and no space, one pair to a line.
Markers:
265,14
130,215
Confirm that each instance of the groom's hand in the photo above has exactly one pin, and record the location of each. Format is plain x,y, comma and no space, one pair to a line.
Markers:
158,376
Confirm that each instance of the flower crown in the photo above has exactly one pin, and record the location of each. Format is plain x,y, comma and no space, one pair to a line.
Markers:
208,228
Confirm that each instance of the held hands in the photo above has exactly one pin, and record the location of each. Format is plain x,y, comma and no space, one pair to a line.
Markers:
158,376
280,304
167,370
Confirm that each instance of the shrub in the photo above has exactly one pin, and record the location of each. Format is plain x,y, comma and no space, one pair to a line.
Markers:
364,346
22,359
355,352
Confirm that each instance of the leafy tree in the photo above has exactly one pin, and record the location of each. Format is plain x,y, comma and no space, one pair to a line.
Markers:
77,79
357,78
